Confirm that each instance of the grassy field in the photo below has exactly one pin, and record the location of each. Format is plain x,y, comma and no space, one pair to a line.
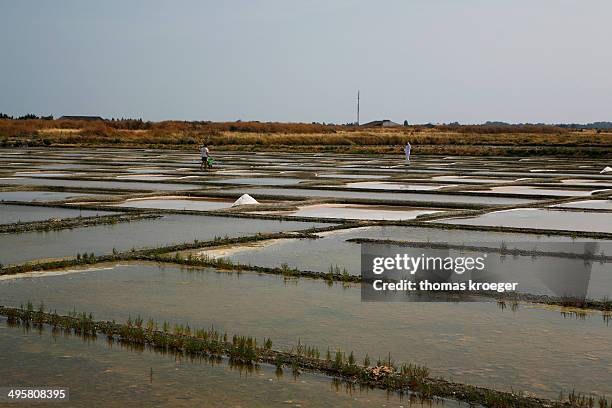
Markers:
481,140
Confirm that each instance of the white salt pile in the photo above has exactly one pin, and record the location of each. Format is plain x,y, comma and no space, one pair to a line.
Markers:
245,199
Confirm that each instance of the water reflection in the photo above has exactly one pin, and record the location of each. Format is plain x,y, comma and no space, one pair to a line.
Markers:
118,374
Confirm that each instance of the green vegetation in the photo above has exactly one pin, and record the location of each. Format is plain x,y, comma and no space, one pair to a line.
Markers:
68,223
184,340
334,274
503,249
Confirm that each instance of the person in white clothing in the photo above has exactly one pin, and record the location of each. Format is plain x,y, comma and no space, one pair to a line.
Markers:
407,152
204,154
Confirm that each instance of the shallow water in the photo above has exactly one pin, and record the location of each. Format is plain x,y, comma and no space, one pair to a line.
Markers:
446,198
98,184
42,174
588,183
177,204
590,204
359,212
63,166
334,251
116,376
468,179
531,173
146,170
271,181
387,185
533,349
147,177
352,176
102,239
24,213
39,195
541,218
537,191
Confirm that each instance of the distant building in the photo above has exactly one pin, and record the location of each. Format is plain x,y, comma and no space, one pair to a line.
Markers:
381,123
78,117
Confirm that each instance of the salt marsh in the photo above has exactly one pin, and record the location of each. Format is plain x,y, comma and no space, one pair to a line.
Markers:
320,208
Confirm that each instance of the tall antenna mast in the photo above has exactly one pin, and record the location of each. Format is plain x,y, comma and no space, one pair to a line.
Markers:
358,107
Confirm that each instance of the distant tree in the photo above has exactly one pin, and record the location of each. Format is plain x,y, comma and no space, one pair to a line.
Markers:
5,116
28,116
406,123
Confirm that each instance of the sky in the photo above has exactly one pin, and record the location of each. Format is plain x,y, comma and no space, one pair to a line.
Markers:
302,61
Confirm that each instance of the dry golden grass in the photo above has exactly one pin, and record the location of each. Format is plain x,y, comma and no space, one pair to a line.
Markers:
466,140
58,130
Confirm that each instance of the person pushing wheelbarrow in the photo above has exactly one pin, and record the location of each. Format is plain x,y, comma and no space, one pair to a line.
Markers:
207,161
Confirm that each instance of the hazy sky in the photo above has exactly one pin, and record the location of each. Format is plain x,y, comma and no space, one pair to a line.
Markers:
283,60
